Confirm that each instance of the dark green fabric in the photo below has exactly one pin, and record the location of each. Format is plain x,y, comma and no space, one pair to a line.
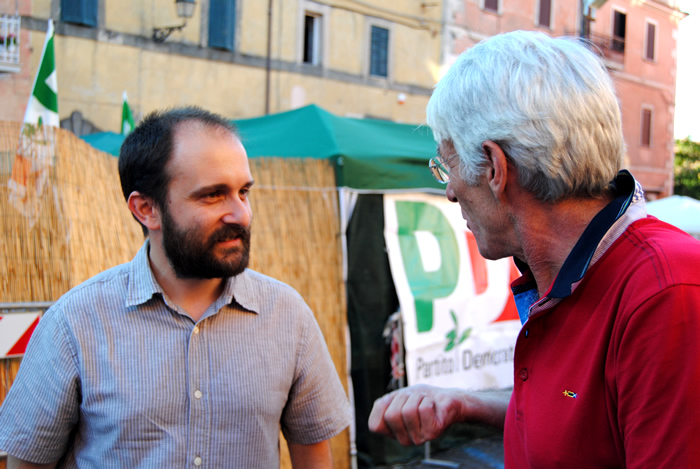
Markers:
368,154
107,142
371,300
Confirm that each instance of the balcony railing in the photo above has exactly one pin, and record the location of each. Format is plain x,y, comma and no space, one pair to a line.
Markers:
608,47
9,43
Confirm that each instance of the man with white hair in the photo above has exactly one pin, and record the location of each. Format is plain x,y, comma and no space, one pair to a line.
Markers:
606,364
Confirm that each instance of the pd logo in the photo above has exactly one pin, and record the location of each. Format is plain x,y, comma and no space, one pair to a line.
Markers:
440,261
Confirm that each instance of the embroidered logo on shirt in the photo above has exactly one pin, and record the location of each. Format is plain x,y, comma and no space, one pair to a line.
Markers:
570,394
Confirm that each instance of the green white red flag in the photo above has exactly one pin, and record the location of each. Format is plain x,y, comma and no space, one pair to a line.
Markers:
127,117
36,146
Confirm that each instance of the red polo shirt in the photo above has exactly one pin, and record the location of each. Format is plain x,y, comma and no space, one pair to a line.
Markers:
608,375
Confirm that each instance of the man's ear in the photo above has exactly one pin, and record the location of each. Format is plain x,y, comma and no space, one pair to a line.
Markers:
145,210
497,167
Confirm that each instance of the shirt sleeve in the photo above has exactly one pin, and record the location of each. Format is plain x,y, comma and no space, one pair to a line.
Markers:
42,406
317,408
657,379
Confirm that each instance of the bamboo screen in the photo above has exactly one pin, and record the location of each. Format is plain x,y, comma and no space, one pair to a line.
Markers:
296,239
84,227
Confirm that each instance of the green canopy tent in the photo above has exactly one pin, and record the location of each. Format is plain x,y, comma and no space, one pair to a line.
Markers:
368,154
108,142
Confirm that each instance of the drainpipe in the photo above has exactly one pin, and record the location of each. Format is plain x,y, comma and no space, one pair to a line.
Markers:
268,60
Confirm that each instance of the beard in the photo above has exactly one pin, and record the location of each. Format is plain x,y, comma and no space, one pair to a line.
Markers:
193,256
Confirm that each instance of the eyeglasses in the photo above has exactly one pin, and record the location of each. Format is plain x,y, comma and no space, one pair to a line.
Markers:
439,169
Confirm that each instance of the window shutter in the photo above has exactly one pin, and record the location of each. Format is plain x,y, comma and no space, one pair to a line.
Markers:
222,22
651,36
379,53
646,127
79,12
545,12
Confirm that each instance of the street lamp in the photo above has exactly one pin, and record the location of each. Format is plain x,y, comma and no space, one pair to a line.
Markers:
185,10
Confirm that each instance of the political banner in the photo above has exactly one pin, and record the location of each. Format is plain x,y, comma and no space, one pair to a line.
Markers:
459,317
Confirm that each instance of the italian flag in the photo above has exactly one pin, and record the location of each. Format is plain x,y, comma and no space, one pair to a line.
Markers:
127,118
43,103
35,149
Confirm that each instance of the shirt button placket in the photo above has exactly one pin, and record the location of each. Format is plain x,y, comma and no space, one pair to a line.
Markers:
199,415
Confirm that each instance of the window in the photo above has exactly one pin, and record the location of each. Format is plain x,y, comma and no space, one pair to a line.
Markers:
646,127
650,42
619,26
9,43
544,19
379,52
312,39
82,12
312,35
222,24
491,5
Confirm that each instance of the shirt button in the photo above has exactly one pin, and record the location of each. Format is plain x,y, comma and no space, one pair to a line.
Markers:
198,394
527,333
523,374
196,329
197,461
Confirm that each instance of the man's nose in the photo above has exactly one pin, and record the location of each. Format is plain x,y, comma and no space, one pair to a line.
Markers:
449,192
237,212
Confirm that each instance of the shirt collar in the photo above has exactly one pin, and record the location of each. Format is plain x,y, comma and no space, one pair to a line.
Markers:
579,259
598,236
242,289
143,285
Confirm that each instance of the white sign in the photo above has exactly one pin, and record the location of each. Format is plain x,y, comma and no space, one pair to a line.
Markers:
459,317
15,331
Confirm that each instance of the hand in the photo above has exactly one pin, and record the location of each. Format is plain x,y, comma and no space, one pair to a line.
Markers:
417,414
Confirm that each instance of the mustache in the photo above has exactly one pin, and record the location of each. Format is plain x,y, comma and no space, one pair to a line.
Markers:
228,232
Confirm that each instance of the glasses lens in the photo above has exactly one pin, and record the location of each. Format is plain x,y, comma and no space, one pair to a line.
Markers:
439,170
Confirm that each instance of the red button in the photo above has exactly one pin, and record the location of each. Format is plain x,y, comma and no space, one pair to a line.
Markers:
523,374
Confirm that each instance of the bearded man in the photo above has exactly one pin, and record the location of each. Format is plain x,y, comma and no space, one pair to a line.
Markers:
183,356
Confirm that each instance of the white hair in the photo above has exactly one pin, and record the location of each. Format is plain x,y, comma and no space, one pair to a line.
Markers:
548,103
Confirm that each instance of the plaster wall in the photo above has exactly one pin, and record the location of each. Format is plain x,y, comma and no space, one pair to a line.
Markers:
101,71
16,87
95,65
646,84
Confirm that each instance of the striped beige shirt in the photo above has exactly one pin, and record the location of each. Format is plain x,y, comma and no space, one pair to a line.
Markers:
116,375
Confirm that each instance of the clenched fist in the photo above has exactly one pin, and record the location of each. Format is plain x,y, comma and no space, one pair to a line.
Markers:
421,413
